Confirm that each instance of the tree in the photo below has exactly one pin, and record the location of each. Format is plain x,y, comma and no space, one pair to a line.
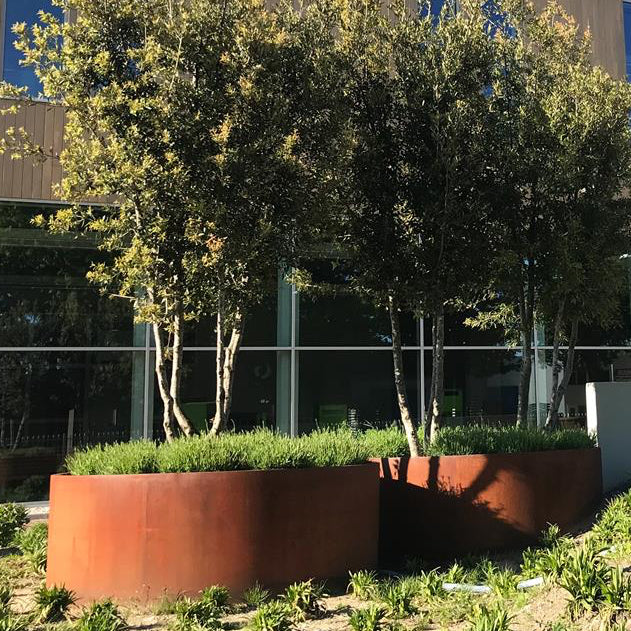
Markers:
415,222
552,171
190,127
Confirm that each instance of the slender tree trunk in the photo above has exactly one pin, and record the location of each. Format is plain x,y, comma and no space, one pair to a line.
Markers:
399,379
163,384
559,390
218,423
526,317
230,364
438,371
176,376
556,363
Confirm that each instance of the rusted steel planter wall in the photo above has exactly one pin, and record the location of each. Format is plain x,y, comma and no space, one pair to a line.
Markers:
441,506
141,536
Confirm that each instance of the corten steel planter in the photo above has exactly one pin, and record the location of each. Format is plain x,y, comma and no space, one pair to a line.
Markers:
141,536
433,507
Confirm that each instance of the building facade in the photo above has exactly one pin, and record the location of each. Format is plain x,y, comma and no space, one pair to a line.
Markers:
74,368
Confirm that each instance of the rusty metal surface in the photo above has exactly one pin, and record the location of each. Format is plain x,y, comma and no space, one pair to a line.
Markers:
141,536
440,506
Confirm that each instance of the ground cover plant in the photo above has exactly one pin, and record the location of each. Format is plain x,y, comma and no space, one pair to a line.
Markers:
13,518
265,449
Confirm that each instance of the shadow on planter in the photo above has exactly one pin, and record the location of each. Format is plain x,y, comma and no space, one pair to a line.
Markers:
439,507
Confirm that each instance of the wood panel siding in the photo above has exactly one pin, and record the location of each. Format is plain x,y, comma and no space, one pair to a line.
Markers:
33,180
605,21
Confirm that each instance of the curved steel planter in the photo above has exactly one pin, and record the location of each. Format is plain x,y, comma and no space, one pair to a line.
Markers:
141,536
441,506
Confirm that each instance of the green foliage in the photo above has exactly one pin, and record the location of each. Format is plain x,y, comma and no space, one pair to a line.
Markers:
367,619
13,518
12,622
483,439
255,596
613,526
265,449
217,596
272,616
6,593
548,561
303,599
167,605
101,616
489,619
52,603
194,615
363,584
593,585
397,597
33,543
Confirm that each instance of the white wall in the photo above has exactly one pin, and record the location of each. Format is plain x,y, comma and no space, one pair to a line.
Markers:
609,418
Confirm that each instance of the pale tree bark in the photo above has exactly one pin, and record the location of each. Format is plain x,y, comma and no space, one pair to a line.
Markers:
163,384
225,368
399,379
230,364
438,372
526,318
559,389
176,374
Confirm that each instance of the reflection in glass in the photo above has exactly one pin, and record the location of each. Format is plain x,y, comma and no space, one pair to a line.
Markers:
352,386
17,11
342,318
53,402
45,298
480,386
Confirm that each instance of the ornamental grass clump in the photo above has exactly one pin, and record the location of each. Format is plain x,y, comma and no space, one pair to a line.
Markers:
33,544
13,518
479,439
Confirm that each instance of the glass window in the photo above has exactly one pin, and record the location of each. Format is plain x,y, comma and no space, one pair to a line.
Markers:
480,385
45,298
17,11
457,333
52,402
254,395
352,386
342,318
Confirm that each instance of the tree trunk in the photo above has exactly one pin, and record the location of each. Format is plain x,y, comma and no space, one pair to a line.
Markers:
230,364
559,390
556,363
526,317
163,384
218,423
176,376
399,379
438,371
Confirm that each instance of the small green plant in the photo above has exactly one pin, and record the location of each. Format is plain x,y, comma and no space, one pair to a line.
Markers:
6,593
11,622
217,596
368,619
101,616
397,597
255,596
363,584
13,518
196,614
489,619
33,544
590,583
272,616
303,599
53,603
430,583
